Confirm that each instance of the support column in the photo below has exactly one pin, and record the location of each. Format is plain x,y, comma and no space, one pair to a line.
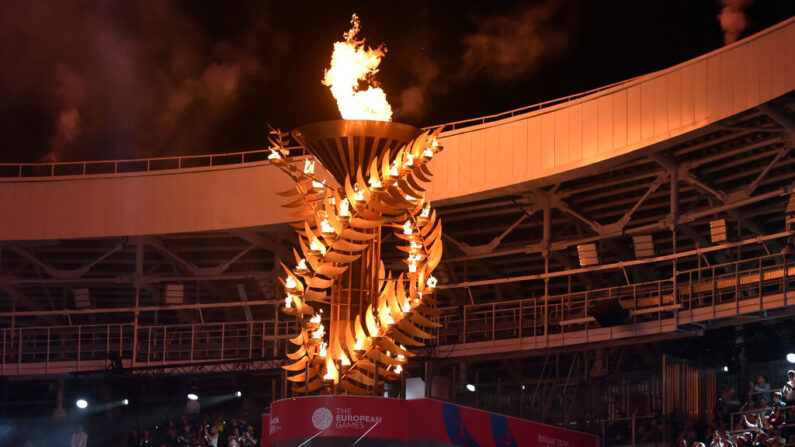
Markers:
546,243
138,277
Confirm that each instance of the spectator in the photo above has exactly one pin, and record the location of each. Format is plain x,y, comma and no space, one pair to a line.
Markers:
762,385
788,390
750,420
146,439
79,437
249,440
729,396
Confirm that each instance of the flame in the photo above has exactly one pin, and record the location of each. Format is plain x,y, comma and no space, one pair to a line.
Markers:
351,63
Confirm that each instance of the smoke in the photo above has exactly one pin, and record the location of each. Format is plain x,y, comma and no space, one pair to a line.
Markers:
122,79
732,19
415,98
510,46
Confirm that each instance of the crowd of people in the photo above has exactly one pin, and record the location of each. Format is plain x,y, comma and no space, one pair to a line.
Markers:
208,431
763,420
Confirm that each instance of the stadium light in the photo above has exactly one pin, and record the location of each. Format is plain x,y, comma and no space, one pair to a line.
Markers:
238,394
193,396
791,357
470,387
725,369
125,401
81,404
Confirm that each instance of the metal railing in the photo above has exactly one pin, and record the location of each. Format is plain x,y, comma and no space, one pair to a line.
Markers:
707,288
83,347
136,165
708,291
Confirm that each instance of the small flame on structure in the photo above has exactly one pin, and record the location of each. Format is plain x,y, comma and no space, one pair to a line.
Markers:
288,301
309,167
352,63
321,351
344,361
345,208
407,228
320,332
290,283
431,282
358,345
301,265
398,369
315,318
326,227
406,307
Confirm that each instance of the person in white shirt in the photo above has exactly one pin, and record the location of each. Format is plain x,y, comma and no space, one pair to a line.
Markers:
79,437
788,390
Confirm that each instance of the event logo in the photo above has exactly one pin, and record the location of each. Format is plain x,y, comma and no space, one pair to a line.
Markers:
274,426
322,418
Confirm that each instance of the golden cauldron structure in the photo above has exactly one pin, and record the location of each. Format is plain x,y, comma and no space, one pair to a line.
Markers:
359,320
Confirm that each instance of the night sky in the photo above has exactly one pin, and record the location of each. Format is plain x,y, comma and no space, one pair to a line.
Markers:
109,79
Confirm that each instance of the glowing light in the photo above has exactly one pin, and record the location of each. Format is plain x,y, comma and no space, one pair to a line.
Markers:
81,403
288,301
375,184
471,387
125,401
791,357
193,396
325,227
345,208
426,212
407,228
410,198
238,394
427,153
315,318
412,267
406,306
309,167
330,372
357,195
398,369
321,350
320,332
301,266
274,155
393,171
389,319
358,345
290,283
414,246
409,160
431,283
344,360
316,245
351,64
725,369
318,185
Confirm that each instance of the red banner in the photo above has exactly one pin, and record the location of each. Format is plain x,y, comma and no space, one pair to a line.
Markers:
409,420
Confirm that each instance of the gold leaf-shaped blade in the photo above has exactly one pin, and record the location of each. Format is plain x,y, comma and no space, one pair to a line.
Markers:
299,339
349,340
381,358
353,235
418,318
435,255
360,334
300,353
339,258
428,227
288,193
401,293
365,190
343,245
352,388
371,214
314,385
388,345
314,295
359,377
420,175
415,185
319,283
295,203
406,188
425,170
428,310
326,269
409,328
349,192
365,224
300,365
369,367
302,213
404,339
369,321
312,260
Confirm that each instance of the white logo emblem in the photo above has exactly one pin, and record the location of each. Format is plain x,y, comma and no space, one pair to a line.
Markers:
322,418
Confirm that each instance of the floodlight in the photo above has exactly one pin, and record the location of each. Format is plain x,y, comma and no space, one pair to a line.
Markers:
238,394
81,403
193,396
470,387
791,357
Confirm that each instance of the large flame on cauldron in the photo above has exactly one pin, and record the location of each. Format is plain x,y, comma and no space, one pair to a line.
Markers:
353,63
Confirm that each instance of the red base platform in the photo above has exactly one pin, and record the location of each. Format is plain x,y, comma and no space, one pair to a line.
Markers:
385,422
